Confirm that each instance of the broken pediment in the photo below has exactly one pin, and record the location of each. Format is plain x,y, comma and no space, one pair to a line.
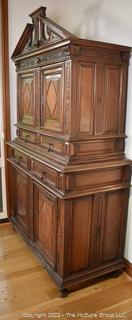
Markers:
41,33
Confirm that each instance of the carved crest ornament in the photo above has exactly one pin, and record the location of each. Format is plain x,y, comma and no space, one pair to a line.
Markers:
42,32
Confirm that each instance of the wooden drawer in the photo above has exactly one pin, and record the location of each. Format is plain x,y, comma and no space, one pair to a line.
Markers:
51,145
20,158
44,173
28,137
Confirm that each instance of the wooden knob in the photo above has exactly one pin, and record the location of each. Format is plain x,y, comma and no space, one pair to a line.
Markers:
19,160
42,175
50,145
26,137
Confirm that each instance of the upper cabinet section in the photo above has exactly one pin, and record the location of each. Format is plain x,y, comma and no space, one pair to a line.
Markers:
71,88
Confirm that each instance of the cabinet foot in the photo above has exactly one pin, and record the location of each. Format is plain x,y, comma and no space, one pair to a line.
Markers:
63,292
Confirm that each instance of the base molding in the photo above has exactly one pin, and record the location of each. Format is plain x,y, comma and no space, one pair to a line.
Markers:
128,268
5,220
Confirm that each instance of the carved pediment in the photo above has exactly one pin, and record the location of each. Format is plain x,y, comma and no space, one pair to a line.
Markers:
41,33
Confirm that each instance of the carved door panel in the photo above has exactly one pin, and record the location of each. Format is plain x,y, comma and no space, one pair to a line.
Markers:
108,228
26,99
45,223
20,196
52,88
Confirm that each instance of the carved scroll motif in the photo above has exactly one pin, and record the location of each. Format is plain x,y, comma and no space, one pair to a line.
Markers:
63,53
42,34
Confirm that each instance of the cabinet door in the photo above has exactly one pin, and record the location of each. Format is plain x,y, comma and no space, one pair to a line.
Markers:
20,196
45,223
26,99
52,98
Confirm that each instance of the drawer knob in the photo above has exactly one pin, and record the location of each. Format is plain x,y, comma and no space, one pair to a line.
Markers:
42,175
49,148
26,137
19,160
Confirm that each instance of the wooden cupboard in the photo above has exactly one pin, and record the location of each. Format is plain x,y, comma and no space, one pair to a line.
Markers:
69,178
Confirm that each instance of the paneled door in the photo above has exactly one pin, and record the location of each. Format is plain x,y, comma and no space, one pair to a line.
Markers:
26,99
52,86
21,194
45,223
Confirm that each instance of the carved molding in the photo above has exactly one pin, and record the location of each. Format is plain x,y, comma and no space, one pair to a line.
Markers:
43,58
67,95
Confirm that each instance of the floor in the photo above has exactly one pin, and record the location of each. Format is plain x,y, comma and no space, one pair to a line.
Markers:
27,292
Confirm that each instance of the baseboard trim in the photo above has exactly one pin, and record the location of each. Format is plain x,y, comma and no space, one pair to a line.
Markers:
5,220
128,268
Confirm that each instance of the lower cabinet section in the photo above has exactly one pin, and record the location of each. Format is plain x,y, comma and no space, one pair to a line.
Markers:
76,238
95,230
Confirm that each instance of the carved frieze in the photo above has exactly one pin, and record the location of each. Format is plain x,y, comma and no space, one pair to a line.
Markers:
47,57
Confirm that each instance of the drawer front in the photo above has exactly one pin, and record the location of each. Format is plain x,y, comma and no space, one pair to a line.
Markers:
20,158
51,145
44,173
27,137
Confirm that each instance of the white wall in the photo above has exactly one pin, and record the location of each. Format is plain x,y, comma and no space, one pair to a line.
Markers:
104,20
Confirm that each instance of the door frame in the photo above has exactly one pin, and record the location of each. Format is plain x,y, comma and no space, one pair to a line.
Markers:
6,96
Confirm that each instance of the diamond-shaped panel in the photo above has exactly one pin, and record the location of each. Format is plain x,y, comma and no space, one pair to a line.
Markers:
51,98
27,98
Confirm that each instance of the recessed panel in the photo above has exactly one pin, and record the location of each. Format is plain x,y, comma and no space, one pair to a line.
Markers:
112,99
52,99
45,223
85,98
26,96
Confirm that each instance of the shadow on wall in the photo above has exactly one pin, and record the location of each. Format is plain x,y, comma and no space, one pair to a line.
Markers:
97,24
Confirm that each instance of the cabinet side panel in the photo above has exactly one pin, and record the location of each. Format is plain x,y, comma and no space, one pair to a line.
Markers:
112,99
112,226
85,98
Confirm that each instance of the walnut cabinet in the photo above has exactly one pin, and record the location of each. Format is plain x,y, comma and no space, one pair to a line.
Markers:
69,178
